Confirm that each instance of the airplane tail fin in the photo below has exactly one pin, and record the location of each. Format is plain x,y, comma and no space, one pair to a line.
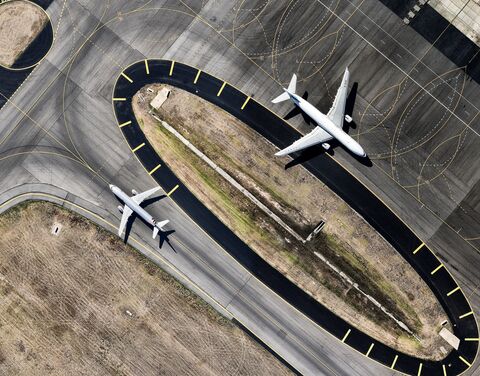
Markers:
159,226
292,88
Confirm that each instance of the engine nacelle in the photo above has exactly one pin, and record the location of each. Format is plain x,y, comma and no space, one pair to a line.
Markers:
120,209
326,146
348,118
134,192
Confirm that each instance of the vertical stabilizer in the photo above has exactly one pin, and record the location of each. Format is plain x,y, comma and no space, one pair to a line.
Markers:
292,86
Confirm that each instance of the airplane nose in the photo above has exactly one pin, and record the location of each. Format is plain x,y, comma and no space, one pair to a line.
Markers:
111,186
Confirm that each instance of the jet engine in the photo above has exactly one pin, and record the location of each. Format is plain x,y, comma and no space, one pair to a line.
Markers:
134,192
120,209
348,118
326,146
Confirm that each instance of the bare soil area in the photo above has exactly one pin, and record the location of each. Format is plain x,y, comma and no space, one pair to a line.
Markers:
20,23
83,303
302,201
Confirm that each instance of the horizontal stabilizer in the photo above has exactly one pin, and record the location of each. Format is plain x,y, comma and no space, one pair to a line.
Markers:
159,226
155,232
292,88
281,98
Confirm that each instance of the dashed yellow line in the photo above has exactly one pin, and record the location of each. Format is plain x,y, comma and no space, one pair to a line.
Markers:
126,77
171,68
444,370
346,335
394,362
455,289
420,367
472,339
221,89
119,99
465,315
196,77
124,124
139,147
153,170
437,269
245,103
173,190
418,248
369,350
464,361
147,69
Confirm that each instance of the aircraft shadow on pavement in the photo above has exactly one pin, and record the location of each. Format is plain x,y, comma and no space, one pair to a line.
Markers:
314,151
163,235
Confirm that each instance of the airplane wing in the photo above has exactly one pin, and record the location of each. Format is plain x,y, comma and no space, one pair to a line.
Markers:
337,111
317,136
127,212
138,198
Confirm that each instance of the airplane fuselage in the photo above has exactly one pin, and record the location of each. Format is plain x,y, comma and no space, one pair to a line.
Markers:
141,212
327,125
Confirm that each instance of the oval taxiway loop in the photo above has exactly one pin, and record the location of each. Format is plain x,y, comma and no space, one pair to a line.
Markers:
276,130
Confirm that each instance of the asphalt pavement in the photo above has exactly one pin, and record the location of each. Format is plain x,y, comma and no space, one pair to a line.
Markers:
59,135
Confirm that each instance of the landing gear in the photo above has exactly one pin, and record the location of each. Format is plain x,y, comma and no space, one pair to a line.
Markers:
120,209
326,146
134,192
348,118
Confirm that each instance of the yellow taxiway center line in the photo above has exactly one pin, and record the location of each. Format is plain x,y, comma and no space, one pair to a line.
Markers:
147,69
346,335
171,68
155,169
464,361
245,103
196,77
119,99
455,289
444,370
124,124
173,190
369,350
139,147
472,339
221,89
465,315
394,362
126,77
437,269
419,248
420,367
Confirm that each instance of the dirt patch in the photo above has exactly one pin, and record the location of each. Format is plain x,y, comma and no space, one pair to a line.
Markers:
83,303
20,23
347,241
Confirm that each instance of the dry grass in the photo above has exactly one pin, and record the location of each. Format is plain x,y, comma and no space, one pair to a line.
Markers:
300,199
20,22
65,303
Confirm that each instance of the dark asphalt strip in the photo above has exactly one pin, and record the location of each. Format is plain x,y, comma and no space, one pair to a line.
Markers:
333,175
445,37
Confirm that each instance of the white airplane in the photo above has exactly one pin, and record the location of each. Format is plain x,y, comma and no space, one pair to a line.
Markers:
330,126
132,204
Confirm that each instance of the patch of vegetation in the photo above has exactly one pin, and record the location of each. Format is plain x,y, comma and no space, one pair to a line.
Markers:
249,224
